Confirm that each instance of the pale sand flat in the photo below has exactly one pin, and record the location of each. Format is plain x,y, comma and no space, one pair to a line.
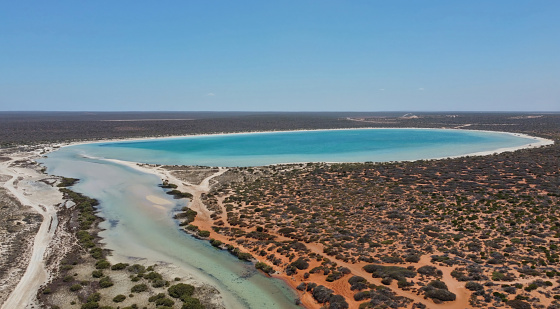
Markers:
159,207
157,200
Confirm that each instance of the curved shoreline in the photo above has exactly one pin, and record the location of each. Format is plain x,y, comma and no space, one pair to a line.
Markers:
524,135
539,142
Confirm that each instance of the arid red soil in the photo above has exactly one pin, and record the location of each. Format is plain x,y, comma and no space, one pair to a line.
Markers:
454,233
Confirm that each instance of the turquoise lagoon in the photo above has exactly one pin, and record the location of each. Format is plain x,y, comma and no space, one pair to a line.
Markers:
137,229
358,145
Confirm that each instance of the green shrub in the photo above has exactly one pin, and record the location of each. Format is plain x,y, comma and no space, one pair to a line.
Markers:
119,298
67,182
264,267
190,215
164,302
96,253
191,303
95,297
67,278
119,266
395,272
474,286
300,264
105,282
192,228
518,304
441,294
204,233
501,296
167,185
403,283
387,280
153,276
137,269
531,287
497,276
216,243
438,284
97,274
90,305
180,289
159,283
156,297
412,258
75,287
178,194
335,275
139,288
102,264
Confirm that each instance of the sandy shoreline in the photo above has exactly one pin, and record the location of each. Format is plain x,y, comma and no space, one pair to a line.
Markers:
538,141
289,131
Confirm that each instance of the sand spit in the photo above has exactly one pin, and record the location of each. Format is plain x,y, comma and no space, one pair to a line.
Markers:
157,200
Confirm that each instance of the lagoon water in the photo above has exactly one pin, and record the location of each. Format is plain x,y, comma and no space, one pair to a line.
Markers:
358,145
137,228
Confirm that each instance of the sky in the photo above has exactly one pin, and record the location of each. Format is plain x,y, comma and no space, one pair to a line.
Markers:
414,55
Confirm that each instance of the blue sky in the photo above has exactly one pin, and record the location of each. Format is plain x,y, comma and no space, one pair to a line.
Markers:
416,55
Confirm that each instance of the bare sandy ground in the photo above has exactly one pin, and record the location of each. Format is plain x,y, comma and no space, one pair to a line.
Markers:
25,185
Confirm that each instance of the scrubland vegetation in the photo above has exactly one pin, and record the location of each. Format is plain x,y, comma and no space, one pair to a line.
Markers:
490,223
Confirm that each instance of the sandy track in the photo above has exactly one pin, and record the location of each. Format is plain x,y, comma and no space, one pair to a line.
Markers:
24,186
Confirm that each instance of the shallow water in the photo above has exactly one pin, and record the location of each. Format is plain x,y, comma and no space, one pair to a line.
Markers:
358,145
137,227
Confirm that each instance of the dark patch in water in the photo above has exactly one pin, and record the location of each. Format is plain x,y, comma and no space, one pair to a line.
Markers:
113,222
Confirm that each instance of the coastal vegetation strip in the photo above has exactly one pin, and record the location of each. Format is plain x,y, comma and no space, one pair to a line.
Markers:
86,278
